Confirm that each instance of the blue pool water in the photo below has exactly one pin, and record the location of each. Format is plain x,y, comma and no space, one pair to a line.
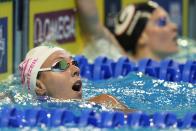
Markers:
147,94
187,50
135,90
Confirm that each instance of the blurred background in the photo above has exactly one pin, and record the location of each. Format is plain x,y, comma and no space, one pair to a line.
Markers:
26,23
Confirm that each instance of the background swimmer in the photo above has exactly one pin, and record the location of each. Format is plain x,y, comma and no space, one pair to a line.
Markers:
99,40
51,71
144,30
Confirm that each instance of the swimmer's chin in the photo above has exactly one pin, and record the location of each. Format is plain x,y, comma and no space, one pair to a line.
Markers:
79,96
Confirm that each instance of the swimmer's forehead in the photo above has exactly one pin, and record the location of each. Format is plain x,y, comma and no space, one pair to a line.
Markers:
61,55
159,13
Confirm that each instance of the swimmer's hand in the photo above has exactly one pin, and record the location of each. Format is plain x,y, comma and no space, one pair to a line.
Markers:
110,102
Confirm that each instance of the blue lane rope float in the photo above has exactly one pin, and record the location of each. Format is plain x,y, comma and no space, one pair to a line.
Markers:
189,121
31,117
138,119
86,69
189,72
123,67
149,67
102,68
36,117
167,69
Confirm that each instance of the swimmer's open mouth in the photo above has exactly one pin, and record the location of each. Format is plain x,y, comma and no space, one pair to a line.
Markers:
77,86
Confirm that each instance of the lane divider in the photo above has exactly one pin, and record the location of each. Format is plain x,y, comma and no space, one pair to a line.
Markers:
167,69
36,117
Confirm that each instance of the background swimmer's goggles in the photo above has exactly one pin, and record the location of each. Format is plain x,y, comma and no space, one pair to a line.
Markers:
163,21
60,66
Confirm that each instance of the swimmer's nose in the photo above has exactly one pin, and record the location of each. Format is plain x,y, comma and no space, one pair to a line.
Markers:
173,27
75,70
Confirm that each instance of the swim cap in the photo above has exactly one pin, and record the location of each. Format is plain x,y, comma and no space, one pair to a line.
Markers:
130,23
29,68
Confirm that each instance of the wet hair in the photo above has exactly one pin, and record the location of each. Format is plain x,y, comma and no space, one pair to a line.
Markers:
131,22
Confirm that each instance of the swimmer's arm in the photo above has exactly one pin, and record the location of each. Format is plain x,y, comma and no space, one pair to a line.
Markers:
91,25
88,17
110,102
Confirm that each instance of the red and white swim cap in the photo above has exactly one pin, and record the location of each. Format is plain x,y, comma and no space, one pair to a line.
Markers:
29,68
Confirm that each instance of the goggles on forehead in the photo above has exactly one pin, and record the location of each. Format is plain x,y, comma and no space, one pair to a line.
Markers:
59,66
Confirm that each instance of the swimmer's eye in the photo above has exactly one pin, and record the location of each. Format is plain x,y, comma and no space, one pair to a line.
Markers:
60,66
161,22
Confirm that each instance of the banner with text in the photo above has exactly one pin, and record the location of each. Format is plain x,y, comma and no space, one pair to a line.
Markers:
6,40
57,23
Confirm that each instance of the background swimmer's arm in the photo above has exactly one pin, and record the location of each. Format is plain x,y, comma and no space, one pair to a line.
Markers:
88,18
90,23
110,102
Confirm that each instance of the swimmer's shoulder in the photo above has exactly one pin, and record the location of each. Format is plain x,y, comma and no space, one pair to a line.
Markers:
110,102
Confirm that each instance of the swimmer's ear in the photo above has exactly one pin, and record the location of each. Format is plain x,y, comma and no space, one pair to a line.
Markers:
143,39
40,88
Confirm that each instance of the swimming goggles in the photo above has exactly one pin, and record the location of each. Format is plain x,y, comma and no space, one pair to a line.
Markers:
60,66
163,21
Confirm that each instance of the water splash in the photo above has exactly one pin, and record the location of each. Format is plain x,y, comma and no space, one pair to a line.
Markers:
145,93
